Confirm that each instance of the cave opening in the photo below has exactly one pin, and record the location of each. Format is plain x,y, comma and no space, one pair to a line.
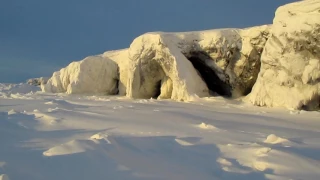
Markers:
157,90
115,89
209,76
312,105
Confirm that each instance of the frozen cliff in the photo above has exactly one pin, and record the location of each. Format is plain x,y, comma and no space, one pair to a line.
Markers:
280,62
290,63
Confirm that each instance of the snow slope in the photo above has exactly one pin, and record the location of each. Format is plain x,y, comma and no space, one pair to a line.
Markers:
58,136
290,63
15,90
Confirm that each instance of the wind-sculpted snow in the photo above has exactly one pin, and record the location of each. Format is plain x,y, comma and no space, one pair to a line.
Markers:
290,72
54,137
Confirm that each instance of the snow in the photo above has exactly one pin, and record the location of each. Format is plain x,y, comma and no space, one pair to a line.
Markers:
80,133
59,136
158,65
37,81
290,63
14,90
4,177
94,74
161,56
273,139
206,126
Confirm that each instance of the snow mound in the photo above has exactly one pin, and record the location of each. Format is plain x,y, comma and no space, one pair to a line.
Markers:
94,74
4,177
11,112
21,88
72,147
263,151
224,162
100,136
206,126
50,103
273,139
183,143
290,63
44,118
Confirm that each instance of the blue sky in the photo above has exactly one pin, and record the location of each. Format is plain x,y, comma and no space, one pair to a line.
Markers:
38,37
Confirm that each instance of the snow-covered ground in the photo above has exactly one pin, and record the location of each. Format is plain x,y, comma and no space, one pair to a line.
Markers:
58,136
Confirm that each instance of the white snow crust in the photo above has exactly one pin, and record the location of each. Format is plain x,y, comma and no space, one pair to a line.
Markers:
56,136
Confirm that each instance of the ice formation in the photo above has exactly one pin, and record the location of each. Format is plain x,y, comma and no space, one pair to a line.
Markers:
95,74
225,61
184,66
179,66
37,81
290,72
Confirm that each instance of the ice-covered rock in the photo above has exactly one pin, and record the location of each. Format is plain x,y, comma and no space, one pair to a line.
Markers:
290,70
101,74
4,177
181,65
121,58
37,81
155,59
94,74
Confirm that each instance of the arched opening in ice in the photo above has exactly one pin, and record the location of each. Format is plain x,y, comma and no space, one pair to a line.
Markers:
312,105
115,91
209,76
157,90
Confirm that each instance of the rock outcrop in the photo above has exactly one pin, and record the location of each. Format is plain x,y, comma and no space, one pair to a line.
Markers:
290,63
37,81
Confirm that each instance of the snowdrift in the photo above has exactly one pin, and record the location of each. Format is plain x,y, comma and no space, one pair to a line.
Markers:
184,66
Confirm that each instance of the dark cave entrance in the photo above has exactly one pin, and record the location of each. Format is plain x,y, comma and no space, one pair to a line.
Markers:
157,90
115,89
312,105
210,77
